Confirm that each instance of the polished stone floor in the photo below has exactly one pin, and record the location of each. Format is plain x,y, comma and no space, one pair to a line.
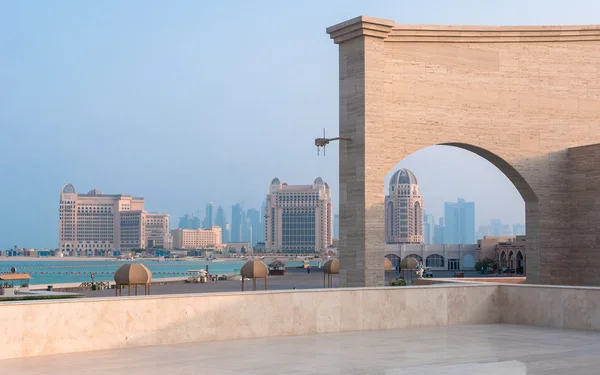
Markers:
479,349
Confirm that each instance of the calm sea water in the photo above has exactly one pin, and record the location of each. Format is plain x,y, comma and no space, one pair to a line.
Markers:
58,272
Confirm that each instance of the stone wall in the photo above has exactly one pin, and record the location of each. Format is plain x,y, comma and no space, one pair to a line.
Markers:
40,328
520,97
32,328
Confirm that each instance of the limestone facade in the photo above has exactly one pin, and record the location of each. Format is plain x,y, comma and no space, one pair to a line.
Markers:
527,99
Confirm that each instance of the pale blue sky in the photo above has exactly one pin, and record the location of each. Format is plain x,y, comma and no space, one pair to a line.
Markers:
182,102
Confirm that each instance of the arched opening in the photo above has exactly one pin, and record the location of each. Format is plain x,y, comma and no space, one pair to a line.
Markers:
520,263
434,261
395,259
417,257
503,262
468,261
511,261
447,210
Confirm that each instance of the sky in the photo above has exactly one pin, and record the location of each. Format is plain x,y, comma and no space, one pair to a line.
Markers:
184,102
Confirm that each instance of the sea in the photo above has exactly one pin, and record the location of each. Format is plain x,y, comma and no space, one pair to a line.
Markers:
62,272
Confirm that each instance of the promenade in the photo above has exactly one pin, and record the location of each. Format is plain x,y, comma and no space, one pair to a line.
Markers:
471,349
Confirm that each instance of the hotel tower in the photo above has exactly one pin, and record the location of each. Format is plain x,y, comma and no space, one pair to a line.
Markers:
298,218
104,224
404,209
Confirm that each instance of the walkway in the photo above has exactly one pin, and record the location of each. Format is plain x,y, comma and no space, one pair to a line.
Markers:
489,349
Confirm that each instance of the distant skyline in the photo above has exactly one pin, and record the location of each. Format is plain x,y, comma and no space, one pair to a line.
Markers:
187,102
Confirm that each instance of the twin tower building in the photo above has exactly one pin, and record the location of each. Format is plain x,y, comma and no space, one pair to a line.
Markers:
297,218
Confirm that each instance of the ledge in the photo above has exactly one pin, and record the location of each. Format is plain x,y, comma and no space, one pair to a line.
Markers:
392,32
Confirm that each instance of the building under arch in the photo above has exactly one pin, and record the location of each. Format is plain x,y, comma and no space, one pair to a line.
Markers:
404,209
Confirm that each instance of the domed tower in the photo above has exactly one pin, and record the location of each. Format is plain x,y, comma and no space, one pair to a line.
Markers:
404,209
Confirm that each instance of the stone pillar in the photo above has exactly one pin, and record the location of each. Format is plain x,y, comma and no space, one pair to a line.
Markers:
361,59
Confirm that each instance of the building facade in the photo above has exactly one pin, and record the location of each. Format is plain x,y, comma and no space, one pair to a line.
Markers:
438,257
197,238
404,209
459,220
157,231
98,224
221,222
298,218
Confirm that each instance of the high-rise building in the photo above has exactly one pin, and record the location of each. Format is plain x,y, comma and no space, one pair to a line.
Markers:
299,218
221,222
518,230
438,234
209,219
482,231
100,224
237,221
189,222
253,217
157,231
459,218
428,229
246,228
196,238
496,227
404,209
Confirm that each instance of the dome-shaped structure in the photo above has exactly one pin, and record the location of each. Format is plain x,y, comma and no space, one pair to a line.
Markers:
318,181
133,274
68,189
332,266
275,181
387,265
94,192
403,176
409,263
254,269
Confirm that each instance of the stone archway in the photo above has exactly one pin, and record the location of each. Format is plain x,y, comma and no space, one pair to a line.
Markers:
527,99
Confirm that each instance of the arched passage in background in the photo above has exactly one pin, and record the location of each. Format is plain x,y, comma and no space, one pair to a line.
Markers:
434,261
503,261
395,259
520,263
416,256
486,91
468,261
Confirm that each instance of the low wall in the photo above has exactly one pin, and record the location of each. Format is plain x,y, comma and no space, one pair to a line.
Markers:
550,306
32,328
40,328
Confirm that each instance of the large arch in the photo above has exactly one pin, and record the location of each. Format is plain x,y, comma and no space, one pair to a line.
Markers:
525,99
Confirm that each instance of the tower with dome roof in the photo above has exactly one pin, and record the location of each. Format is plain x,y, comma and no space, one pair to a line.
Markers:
404,221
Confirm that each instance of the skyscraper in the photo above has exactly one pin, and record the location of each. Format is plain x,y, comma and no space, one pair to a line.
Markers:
299,218
496,227
189,222
518,229
221,221
482,231
459,218
403,209
209,219
429,229
253,217
237,221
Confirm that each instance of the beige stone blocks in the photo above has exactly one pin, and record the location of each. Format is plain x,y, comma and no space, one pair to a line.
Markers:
519,97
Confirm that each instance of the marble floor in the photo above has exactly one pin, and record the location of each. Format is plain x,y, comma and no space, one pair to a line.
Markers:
477,349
